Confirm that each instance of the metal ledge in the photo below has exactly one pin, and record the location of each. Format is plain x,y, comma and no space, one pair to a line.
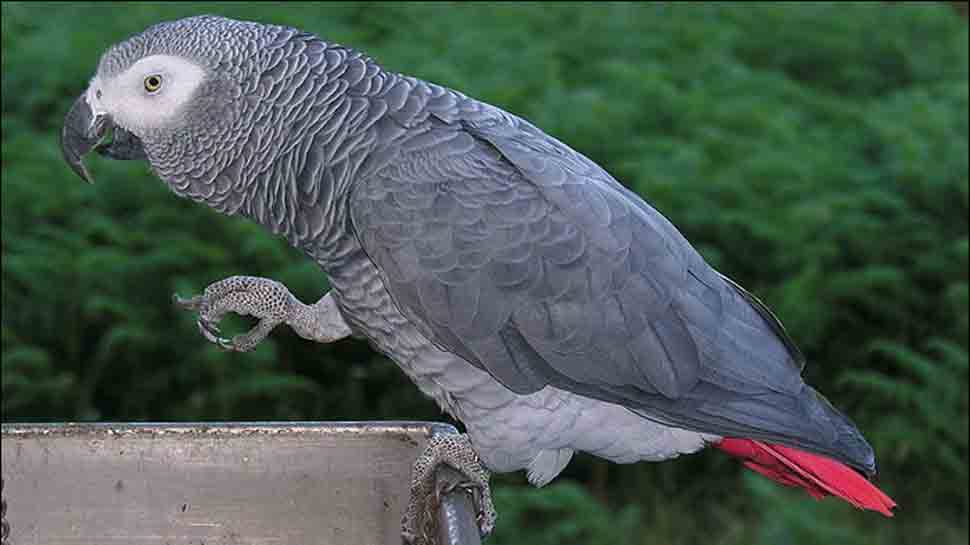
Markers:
304,483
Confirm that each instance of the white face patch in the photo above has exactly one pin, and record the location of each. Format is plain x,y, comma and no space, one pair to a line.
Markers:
132,103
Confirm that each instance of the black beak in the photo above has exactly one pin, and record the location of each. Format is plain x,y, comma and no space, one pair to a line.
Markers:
83,131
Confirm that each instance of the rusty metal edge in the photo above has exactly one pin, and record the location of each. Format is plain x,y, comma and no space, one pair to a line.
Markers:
219,429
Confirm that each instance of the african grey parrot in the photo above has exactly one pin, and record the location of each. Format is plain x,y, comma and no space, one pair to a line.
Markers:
534,297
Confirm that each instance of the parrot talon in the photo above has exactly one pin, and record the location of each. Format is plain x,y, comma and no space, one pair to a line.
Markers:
211,333
190,303
418,523
210,327
228,345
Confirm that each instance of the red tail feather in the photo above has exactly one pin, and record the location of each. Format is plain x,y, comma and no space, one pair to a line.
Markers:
818,475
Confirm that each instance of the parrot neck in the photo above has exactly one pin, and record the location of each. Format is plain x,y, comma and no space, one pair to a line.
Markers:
292,173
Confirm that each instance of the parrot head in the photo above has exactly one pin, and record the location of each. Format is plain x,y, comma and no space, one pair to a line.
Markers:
187,96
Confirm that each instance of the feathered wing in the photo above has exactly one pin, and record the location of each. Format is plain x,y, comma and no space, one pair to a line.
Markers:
527,259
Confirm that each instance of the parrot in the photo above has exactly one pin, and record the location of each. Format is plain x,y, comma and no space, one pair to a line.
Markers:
532,296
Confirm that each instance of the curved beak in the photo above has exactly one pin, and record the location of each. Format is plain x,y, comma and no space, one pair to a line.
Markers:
84,131
81,133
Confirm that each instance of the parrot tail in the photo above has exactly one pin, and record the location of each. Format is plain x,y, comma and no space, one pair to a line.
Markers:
818,475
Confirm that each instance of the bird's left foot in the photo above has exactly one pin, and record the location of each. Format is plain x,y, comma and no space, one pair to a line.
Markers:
270,302
265,299
420,520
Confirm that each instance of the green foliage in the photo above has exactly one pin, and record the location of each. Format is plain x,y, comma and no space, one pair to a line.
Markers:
562,514
924,407
817,153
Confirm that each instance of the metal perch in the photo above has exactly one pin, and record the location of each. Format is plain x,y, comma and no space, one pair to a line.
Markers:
338,483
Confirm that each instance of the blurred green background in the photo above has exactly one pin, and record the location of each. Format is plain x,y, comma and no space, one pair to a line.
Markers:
817,153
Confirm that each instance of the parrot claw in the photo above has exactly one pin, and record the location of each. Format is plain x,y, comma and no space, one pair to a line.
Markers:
270,302
262,298
190,303
420,519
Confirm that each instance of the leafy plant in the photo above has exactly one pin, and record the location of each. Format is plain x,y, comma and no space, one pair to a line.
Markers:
562,514
924,407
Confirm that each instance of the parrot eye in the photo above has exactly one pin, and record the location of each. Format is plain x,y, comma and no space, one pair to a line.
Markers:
153,83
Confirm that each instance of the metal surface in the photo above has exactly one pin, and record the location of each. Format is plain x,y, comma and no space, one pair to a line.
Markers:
218,484
4,527
457,522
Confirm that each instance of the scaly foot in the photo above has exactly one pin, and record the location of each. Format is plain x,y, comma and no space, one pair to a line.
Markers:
420,521
269,301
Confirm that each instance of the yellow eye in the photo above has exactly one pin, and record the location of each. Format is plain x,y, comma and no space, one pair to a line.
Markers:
153,83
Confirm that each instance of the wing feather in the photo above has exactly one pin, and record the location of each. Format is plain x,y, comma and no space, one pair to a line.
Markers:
528,260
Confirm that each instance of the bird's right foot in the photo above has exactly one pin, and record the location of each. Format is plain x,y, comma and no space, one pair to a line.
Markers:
420,519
